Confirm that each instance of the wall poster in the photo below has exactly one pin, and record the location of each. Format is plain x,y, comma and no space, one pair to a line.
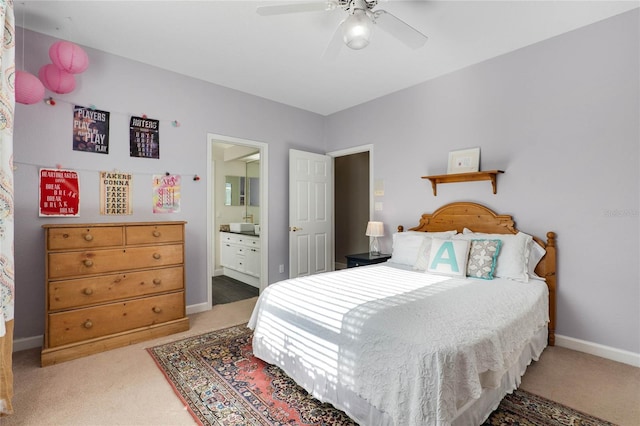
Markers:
59,193
115,193
166,193
90,130
144,138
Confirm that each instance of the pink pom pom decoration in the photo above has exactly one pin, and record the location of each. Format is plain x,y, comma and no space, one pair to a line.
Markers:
68,57
29,90
57,80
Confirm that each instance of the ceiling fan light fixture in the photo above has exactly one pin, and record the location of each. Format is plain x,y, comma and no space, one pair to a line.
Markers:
356,30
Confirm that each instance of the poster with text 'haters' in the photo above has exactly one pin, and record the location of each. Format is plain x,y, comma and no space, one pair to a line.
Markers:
90,130
144,138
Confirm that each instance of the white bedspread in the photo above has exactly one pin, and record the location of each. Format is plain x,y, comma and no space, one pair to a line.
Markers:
415,346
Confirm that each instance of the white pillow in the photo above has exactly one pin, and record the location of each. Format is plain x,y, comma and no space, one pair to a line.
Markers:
513,258
425,249
536,254
406,245
449,257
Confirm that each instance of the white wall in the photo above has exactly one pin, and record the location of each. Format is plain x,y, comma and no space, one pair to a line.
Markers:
561,118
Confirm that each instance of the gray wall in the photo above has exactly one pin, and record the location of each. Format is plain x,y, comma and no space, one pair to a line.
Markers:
43,138
561,118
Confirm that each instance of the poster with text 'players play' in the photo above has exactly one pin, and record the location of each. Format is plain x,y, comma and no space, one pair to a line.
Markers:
90,130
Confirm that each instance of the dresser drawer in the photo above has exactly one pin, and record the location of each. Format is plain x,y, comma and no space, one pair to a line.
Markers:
88,323
72,264
147,234
84,238
91,291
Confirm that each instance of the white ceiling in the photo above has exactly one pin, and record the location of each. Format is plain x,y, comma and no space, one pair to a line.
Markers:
280,57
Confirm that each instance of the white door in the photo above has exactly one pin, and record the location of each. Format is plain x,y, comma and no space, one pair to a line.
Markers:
310,213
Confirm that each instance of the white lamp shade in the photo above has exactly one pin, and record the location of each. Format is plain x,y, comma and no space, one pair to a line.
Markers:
375,229
356,30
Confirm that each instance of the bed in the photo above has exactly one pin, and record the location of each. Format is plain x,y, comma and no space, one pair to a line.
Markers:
437,335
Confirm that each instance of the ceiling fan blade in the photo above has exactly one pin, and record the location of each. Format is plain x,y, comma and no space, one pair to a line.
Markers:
399,29
280,9
335,45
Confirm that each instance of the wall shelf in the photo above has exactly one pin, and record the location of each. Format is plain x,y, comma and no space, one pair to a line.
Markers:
464,177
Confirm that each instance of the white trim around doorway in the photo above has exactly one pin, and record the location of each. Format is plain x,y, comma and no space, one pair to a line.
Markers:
264,208
357,150
349,151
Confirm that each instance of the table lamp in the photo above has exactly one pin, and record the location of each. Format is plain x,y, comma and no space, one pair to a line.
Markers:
375,230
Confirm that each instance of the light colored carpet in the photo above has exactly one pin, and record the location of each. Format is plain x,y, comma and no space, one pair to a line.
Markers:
125,387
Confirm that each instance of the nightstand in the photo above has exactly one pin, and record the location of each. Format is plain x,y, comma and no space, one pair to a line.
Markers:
362,259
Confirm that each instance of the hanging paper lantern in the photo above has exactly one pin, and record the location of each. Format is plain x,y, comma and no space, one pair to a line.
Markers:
29,90
68,57
57,80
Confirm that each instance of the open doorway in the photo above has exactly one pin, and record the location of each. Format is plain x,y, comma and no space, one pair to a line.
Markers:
353,206
238,222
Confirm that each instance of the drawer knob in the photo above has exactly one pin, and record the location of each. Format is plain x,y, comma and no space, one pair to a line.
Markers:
157,281
157,309
88,291
87,324
156,256
156,233
87,262
88,237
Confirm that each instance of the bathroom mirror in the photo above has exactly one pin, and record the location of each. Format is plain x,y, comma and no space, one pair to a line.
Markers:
234,190
253,183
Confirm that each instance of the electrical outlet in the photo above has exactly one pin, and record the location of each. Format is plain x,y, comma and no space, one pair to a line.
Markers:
281,269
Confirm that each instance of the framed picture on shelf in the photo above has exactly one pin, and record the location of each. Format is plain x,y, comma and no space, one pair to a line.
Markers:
464,161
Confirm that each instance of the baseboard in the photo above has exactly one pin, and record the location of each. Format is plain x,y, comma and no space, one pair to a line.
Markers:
602,351
200,307
24,343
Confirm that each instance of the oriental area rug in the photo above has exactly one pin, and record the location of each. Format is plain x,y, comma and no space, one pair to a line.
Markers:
222,383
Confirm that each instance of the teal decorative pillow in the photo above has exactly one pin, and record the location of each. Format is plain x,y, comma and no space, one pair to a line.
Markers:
483,255
448,257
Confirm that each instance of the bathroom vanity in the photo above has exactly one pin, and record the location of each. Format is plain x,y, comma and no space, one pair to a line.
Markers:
240,256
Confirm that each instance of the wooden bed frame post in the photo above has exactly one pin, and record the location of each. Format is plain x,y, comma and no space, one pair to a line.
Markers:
550,278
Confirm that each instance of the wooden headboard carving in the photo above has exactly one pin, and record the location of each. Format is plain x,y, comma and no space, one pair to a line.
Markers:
479,218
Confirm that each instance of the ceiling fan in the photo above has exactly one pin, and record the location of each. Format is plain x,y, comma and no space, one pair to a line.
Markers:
355,30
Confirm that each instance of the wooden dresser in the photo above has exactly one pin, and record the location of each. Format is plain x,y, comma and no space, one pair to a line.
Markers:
110,285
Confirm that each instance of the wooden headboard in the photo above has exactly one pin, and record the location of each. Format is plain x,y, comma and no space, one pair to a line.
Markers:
479,218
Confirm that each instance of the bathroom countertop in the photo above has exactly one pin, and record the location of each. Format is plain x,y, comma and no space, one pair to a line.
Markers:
247,233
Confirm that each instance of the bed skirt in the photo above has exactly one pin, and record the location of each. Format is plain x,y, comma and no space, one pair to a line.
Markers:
477,411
